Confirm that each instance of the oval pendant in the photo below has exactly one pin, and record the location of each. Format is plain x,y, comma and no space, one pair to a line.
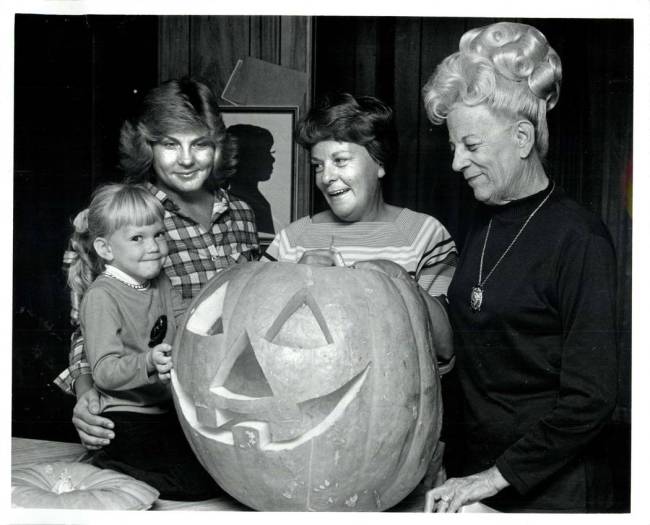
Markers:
476,298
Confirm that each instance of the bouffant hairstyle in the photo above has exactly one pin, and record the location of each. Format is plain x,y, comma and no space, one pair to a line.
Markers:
174,106
365,120
509,67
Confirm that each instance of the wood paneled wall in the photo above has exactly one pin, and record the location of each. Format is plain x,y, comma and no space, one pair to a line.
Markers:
208,47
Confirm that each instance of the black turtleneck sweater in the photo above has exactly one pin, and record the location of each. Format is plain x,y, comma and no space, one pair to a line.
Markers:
537,363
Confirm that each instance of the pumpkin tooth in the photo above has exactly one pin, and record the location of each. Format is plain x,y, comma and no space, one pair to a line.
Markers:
251,435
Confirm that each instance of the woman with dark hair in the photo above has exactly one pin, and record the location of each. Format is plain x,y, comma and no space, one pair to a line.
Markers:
353,146
532,303
178,147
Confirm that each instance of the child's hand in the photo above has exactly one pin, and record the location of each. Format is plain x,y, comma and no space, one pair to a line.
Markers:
161,355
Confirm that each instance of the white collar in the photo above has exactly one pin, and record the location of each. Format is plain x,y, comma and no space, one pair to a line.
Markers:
116,273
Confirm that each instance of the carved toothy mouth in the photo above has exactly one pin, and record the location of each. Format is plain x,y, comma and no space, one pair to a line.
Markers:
257,434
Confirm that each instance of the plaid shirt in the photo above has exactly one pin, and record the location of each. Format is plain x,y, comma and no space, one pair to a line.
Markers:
195,255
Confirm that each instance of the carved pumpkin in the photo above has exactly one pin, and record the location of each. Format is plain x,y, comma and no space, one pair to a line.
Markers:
309,388
64,485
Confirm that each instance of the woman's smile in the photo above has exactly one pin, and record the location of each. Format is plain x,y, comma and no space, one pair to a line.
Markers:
186,174
348,178
471,178
337,192
183,161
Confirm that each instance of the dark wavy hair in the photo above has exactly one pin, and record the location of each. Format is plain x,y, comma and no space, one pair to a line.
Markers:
364,120
178,105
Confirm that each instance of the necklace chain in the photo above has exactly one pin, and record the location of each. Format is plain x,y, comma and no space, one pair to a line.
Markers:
482,281
476,297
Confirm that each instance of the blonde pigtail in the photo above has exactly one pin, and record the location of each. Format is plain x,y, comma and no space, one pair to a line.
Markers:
79,260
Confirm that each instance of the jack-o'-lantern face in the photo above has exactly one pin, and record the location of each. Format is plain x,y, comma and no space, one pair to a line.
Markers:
279,383
291,381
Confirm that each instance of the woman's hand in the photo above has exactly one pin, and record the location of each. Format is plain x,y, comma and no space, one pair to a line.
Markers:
456,492
162,361
94,430
443,337
384,266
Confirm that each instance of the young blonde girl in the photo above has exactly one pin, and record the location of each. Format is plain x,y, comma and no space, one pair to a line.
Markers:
127,318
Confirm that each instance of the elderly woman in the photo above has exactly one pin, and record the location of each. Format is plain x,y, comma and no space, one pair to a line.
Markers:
178,147
532,299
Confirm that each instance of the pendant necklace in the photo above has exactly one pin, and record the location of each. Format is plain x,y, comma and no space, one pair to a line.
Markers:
476,297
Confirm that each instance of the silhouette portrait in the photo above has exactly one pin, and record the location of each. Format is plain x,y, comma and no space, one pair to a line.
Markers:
263,170
254,165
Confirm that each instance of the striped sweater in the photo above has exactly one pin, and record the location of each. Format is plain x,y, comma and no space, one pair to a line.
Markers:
415,241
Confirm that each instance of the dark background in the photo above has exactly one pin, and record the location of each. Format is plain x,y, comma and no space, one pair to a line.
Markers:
77,78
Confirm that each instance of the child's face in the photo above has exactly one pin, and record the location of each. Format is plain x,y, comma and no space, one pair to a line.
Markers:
138,251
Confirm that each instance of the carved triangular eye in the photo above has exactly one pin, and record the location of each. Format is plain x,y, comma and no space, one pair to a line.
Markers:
246,376
300,325
205,319
302,318
217,327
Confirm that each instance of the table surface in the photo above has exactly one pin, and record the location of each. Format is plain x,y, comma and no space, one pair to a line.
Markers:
25,451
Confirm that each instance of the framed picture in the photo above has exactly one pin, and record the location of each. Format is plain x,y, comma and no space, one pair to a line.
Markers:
266,169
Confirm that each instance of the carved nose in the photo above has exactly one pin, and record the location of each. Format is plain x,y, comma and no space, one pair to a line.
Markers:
246,376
